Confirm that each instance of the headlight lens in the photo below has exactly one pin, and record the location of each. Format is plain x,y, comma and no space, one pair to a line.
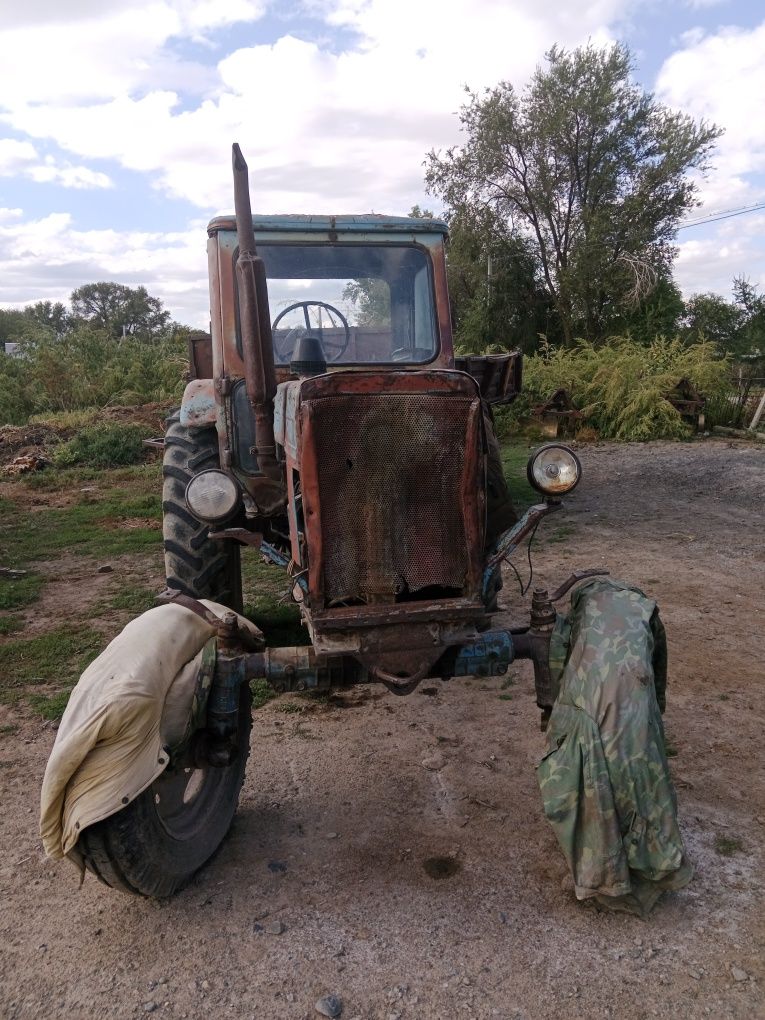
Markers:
554,470
212,496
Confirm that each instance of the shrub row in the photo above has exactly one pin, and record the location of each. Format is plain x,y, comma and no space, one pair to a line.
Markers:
88,368
621,386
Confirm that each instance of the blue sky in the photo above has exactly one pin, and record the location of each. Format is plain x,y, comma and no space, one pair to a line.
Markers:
115,140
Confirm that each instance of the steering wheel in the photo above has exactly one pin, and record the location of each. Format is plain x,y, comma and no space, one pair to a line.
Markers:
333,346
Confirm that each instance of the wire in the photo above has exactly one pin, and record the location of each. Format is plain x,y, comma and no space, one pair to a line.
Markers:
528,553
509,562
725,215
515,571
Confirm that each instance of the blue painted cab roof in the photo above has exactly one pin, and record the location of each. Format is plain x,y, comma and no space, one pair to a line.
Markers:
367,223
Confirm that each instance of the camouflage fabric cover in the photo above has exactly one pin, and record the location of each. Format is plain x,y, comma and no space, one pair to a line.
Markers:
604,780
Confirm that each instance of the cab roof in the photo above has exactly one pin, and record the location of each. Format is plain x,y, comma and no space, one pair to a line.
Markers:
366,223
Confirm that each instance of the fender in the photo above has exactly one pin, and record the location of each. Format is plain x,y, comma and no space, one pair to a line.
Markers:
198,407
130,706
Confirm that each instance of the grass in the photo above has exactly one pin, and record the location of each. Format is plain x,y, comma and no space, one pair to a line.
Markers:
106,444
51,706
290,708
106,522
727,846
56,659
561,533
14,594
115,512
136,599
56,656
265,586
141,478
262,693
10,624
515,454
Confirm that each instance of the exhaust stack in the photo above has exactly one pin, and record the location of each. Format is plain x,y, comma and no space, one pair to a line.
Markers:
255,319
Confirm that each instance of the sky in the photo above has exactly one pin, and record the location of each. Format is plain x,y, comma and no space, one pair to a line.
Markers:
116,120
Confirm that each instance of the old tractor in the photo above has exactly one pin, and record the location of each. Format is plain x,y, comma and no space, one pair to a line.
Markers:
329,428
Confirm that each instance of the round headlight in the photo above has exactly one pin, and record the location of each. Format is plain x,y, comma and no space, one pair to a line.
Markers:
554,470
212,496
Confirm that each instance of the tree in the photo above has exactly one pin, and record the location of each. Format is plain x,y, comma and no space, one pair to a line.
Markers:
11,325
659,313
52,316
711,317
120,310
495,296
751,339
370,297
737,327
589,168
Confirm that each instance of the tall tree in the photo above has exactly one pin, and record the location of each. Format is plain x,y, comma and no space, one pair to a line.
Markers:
121,310
711,317
495,296
737,327
658,313
590,168
52,315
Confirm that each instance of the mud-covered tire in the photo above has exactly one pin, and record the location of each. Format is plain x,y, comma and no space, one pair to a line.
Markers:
155,845
199,566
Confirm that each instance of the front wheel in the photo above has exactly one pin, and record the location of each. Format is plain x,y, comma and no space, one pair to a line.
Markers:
197,565
155,845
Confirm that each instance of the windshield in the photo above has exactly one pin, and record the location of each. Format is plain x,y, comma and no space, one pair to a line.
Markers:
366,303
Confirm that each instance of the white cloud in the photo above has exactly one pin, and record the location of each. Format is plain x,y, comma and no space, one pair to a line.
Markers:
15,156
20,159
99,51
68,176
702,5
733,248
321,129
47,258
720,77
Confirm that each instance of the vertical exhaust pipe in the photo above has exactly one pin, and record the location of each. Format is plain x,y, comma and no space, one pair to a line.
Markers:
255,323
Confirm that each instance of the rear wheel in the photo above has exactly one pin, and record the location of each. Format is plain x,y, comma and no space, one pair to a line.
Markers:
196,564
154,846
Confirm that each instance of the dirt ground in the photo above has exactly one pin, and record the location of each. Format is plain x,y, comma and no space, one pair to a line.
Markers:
346,802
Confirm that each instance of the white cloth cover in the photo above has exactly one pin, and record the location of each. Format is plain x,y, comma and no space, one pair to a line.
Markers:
129,704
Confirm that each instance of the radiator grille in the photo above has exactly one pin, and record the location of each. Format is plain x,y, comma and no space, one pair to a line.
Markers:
390,479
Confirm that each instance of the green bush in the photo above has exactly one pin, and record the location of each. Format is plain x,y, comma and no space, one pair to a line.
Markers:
87,368
105,445
17,399
621,386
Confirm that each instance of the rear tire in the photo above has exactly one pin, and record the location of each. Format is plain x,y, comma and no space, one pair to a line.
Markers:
155,845
195,564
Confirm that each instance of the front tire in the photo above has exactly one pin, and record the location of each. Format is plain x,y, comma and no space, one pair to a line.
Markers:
197,565
155,845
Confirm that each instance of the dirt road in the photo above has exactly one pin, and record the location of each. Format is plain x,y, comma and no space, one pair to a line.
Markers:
348,802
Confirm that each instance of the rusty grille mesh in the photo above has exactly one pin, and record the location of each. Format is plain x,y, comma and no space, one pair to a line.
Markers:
390,469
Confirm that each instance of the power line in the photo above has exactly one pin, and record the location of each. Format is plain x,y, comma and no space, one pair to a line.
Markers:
725,215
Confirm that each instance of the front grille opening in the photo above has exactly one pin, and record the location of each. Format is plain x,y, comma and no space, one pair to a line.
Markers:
391,470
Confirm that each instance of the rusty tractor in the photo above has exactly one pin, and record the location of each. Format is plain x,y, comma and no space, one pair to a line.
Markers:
329,428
